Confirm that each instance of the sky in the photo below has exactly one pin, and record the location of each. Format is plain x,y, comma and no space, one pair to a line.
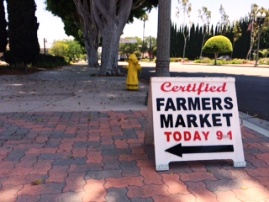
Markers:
51,27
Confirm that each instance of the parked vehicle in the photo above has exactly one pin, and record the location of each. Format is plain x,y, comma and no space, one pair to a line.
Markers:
224,57
122,57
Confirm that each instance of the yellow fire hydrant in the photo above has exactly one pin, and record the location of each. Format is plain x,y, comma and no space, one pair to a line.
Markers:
132,75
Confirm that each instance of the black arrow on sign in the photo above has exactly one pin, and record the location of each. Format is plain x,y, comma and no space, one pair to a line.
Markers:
178,150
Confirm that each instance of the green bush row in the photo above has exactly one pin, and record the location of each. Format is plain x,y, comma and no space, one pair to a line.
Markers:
264,61
49,61
178,59
204,61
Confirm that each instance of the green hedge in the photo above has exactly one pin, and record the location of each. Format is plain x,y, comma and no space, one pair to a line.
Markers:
43,61
49,61
178,59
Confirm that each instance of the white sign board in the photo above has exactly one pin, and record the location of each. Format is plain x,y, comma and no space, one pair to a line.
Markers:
195,119
123,40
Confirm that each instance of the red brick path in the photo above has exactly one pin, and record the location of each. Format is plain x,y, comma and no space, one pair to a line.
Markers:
100,156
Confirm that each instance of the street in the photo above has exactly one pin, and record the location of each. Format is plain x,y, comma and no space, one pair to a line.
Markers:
252,83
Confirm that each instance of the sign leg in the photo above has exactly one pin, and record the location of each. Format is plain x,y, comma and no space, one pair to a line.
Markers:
162,167
148,137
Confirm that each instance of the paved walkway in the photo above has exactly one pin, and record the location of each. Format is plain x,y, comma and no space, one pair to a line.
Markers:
52,152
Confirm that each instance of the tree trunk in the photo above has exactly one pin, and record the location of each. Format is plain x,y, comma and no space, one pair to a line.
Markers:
201,51
92,54
184,47
110,47
233,48
250,50
90,31
110,18
216,56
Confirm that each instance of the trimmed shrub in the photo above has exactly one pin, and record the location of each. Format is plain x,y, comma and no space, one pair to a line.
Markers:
237,61
203,60
217,44
175,59
50,61
138,54
178,59
264,61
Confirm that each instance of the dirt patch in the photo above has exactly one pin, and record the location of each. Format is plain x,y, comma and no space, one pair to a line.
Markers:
6,70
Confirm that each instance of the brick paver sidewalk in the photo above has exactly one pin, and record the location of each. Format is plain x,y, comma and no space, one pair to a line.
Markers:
100,156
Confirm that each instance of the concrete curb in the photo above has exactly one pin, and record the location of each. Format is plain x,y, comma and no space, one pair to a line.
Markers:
258,125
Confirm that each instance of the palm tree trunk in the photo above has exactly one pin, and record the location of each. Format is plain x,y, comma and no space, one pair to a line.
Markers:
163,39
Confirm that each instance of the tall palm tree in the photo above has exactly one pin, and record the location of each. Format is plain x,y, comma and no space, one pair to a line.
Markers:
163,38
145,18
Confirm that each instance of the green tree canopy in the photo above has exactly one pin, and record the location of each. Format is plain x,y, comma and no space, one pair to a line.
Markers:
66,10
129,48
69,49
103,19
